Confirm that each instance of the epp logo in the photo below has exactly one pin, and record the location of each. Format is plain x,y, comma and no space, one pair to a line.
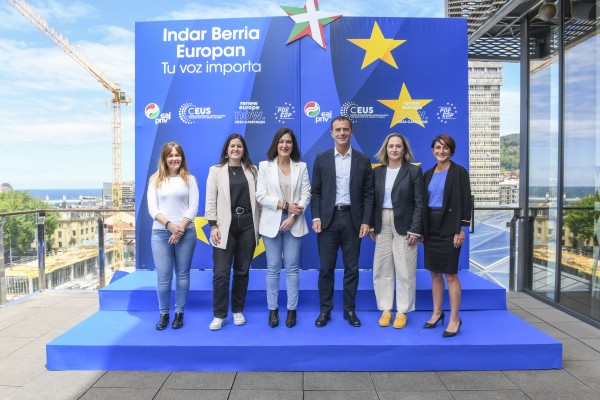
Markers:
312,109
152,110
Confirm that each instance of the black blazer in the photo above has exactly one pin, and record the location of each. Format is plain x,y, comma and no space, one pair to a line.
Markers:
456,206
407,199
324,184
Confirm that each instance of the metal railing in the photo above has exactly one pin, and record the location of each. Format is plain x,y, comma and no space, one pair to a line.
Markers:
41,248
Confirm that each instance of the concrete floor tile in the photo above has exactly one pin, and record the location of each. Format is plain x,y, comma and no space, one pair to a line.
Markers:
78,303
586,394
529,303
268,381
267,395
132,379
475,380
20,371
526,316
551,315
435,395
325,381
7,391
340,395
578,329
186,394
586,371
29,328
200,380
489,394
550,330
544,380
406,381
9,345
48,393
66,379
575,350
14,312
593,343
118,393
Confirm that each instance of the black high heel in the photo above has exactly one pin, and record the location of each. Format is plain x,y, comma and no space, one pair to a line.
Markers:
429,326
452,334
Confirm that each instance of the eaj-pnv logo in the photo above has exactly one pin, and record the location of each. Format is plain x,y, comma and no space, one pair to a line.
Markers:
312,109
152,110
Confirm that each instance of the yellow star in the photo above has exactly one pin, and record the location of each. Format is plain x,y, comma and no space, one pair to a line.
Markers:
377,47
199,223
259,249
406,107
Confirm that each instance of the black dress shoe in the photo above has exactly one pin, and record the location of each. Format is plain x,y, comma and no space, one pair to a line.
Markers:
162,322
178,321
452,334
273,318
322,319
352,319
290,321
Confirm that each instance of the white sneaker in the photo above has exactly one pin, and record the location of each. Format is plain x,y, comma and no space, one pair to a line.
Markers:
217,323
238,318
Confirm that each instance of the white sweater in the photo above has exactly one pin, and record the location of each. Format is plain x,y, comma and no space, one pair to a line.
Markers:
175,200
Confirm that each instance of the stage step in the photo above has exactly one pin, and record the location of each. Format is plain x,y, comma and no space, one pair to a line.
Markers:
127,340
137,292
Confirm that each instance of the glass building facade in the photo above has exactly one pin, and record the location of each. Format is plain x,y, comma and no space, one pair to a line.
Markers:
557,45
563,154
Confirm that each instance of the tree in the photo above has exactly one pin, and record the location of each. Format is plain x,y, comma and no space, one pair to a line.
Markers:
22,228
581,222
509,152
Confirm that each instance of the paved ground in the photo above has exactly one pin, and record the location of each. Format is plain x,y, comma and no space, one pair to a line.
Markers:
27,326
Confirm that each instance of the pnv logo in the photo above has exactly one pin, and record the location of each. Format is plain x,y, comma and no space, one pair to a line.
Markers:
152,110
312,109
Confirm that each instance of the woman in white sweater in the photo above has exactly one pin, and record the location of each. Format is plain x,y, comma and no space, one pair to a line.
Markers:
173,204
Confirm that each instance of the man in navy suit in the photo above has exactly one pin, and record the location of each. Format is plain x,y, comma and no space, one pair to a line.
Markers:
341,207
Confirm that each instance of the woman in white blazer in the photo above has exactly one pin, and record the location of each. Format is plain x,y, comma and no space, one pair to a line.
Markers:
283,190
233,214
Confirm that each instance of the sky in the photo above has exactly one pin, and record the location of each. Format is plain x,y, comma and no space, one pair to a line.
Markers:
55,130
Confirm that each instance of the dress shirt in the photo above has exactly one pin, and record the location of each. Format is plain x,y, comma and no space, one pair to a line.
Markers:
343,163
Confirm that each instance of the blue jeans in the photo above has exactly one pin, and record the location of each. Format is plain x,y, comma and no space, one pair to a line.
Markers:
283,247
172,257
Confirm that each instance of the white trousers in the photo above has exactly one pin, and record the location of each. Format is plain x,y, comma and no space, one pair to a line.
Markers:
393,254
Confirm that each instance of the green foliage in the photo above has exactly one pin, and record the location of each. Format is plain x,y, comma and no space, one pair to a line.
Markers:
21,228
509,152
581,222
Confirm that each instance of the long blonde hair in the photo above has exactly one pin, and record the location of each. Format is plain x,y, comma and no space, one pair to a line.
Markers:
162,173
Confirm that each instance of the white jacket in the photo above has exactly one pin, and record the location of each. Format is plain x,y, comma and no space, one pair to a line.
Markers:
268,194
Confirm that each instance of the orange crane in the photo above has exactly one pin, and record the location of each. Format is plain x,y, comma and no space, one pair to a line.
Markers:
118,98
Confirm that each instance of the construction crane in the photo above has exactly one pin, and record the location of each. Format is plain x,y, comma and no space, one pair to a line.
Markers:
118,98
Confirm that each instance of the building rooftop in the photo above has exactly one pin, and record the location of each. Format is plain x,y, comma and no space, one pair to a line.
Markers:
27,325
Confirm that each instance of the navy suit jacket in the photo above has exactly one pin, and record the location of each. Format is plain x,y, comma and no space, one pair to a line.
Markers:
407,199
456,205
324,186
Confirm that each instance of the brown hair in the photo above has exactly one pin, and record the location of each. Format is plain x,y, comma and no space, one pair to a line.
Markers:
162,173
246,161
445,140
272,152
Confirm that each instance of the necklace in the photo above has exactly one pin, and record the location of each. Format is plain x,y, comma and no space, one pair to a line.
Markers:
232,170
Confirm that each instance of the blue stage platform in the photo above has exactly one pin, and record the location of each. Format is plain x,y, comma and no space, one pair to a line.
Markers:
121,336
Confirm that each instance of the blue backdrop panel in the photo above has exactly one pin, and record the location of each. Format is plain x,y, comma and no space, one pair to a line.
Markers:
199,81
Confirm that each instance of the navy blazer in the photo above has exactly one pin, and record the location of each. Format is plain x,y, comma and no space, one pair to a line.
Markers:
324,186
407,199
456,205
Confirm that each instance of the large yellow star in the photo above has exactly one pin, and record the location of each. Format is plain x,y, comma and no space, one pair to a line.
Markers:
199,223
406,107
377,47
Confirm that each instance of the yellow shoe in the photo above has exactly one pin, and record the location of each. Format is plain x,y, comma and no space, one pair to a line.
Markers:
400,321
386,318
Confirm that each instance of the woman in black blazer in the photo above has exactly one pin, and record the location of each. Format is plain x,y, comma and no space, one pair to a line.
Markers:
446,217
397,226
